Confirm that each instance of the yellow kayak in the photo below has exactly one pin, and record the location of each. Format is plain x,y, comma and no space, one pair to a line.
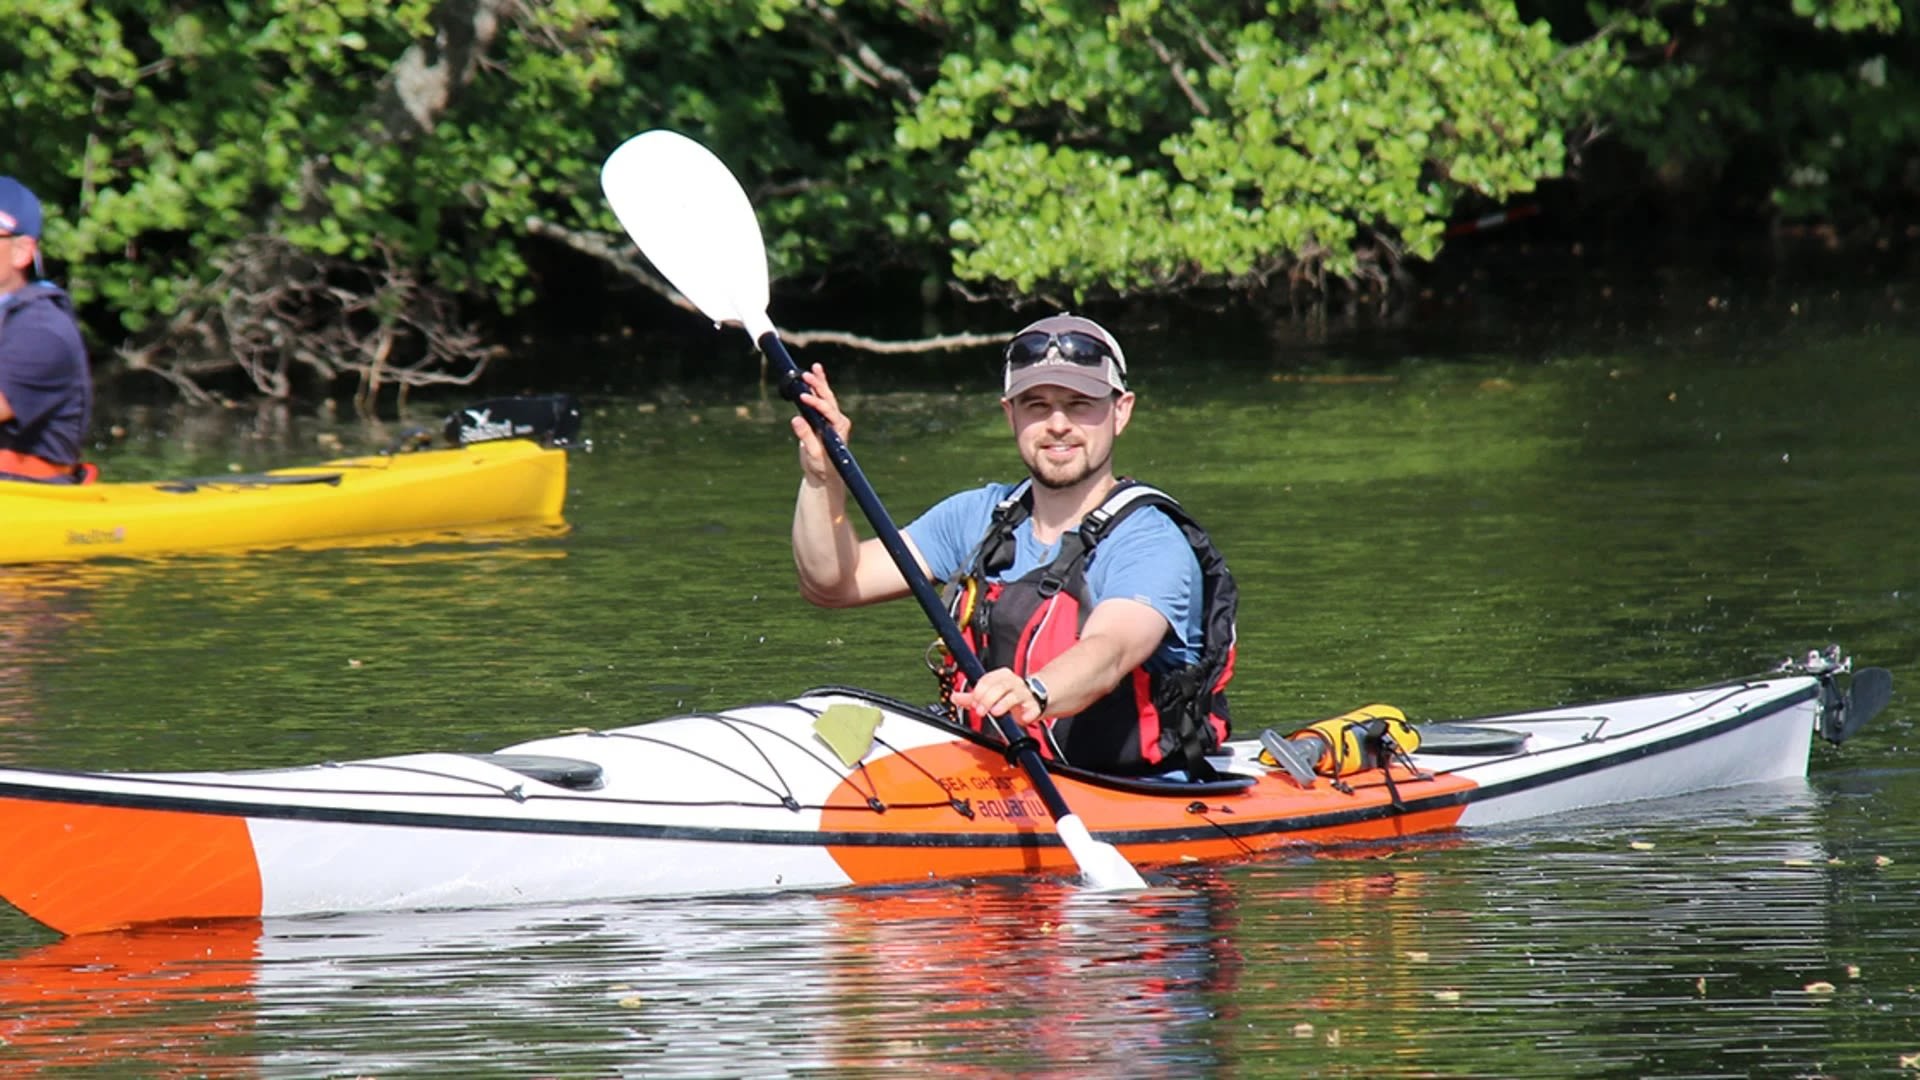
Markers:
506,482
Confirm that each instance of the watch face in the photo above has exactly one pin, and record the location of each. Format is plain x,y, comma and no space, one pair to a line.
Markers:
1039,688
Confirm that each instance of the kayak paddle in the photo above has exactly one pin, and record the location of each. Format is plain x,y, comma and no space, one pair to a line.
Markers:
693,221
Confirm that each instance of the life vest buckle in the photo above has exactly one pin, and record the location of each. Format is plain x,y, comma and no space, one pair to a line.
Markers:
1094,526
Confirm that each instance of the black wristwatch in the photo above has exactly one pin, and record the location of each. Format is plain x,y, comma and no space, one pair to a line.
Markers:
1039,690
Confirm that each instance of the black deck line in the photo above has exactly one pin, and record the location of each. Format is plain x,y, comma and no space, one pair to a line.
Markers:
1209,828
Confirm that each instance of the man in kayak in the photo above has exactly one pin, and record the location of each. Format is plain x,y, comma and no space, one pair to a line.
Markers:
1107,634
46,392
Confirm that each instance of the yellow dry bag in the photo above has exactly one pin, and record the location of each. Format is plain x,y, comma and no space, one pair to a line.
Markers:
1366,738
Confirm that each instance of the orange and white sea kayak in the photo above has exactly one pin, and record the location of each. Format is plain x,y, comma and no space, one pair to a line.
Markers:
507,473
755,798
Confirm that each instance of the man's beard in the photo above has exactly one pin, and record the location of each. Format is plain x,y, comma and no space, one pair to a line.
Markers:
1055,479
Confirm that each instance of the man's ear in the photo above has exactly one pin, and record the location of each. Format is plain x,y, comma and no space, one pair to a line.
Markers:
1122,411
23,252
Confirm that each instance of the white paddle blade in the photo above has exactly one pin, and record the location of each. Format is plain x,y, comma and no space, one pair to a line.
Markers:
692,220
1101,864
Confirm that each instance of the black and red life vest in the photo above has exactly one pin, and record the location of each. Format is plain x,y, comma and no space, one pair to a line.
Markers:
1151,721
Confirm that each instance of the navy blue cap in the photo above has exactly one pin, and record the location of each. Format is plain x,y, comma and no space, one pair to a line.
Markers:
19,210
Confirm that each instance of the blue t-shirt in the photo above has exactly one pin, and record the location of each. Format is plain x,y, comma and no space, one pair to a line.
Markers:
1144,558
43,373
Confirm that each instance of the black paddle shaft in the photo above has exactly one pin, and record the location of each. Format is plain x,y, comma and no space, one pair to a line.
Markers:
791,387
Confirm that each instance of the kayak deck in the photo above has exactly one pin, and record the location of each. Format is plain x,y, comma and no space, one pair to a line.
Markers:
752,799
509,482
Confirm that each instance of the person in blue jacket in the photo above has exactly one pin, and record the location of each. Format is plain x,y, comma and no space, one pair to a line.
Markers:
46,390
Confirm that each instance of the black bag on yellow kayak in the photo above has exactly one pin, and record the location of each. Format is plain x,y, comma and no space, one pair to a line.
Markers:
548,419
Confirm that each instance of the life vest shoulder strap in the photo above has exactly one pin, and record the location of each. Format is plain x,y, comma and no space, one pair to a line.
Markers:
1126,497
1222,595
995,550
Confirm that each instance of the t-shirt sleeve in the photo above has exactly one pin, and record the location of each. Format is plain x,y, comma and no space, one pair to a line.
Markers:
1148,559
948,532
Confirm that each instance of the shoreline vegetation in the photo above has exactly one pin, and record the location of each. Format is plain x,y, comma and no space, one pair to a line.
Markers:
351,203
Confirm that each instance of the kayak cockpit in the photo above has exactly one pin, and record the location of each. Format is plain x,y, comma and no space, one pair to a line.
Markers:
573,774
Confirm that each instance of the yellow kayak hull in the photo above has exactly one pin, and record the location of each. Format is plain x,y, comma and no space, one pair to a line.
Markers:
513,483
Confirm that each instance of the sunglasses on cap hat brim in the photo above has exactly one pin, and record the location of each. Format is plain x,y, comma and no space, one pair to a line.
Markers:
1072,346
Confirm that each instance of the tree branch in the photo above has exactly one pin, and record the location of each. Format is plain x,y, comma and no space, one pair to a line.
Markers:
422,83
1179,77
614,254
865,64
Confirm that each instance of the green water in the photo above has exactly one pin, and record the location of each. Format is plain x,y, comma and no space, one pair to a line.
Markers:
1456,524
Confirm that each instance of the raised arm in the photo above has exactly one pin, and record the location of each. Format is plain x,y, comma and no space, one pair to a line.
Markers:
836,568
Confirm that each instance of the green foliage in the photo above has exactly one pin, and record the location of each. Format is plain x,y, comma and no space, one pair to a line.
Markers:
164,135
1070,147
1850,15
1815,110
1165,145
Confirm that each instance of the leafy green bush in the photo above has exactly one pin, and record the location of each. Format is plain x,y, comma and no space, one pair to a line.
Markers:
346,186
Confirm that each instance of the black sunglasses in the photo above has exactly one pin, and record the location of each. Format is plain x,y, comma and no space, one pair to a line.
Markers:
1074,347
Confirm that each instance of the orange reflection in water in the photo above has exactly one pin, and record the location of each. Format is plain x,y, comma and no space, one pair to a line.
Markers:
1041,977
1031,978
165,1000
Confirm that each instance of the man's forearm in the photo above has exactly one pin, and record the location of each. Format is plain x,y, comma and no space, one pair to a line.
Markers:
826,551
1120,635
1083,674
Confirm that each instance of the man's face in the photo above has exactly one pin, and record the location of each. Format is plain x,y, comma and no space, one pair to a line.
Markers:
16,258
1065,436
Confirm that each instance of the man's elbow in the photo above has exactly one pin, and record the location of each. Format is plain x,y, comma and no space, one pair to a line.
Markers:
826,598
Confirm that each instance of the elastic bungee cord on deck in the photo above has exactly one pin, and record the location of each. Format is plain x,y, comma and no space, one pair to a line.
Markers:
781,794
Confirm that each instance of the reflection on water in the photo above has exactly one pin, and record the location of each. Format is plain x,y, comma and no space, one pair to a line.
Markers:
158,1001
41,609
1681,939
104,643
976,980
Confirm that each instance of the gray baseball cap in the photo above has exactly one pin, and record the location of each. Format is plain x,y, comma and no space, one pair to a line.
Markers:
1065,350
